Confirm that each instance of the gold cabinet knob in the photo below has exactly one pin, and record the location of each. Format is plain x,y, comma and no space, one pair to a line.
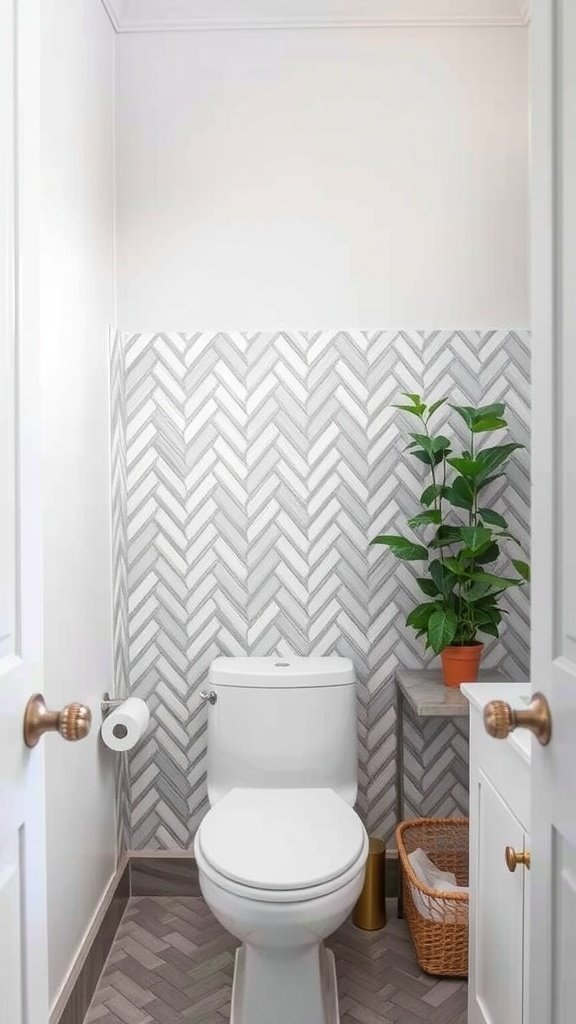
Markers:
500,719
73,722
515,857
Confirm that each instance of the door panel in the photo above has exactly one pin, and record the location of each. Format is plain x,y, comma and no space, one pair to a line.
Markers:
8,594
564,953
10,916
23,961
565,561
499,912
553,912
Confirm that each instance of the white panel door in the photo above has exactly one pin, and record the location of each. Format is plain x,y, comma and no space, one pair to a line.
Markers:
23,946
553,876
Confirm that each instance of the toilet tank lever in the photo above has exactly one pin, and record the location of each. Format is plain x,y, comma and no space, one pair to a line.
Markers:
208,696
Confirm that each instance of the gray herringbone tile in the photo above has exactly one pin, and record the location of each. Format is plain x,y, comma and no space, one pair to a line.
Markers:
172,963
249,471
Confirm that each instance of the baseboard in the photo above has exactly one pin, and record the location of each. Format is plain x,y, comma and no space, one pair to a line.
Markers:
80,985
163,874
151,875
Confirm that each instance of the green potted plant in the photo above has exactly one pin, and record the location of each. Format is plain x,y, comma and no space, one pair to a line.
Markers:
461,538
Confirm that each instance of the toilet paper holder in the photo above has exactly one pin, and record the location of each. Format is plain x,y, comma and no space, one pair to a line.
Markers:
108,703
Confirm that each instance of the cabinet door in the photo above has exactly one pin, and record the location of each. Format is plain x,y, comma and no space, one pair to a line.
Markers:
496,974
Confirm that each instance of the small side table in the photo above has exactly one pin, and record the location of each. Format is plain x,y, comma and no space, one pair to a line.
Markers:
426,695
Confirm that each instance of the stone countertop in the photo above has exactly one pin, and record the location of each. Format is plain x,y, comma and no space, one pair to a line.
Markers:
427,696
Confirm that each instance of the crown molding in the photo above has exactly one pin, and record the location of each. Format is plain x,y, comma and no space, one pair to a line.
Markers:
187,15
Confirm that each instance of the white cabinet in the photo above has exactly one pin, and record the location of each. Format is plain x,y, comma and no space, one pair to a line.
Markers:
499,817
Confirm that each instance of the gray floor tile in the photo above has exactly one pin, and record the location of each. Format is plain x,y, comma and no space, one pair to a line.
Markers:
172,963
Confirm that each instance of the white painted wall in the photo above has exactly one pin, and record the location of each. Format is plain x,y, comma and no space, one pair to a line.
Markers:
77,288
329,178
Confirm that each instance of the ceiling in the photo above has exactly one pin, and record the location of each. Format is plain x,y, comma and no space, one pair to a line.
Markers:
174,15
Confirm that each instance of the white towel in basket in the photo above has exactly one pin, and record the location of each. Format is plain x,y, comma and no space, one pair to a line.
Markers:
433,909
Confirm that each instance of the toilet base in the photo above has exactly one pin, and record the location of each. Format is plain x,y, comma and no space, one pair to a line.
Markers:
296,987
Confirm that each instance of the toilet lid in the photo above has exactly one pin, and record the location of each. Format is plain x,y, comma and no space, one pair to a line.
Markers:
281,838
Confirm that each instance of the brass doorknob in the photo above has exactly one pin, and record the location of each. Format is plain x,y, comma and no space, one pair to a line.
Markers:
500,719
73,722
515,857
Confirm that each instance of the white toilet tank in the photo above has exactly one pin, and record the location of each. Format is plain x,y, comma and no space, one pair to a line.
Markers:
282,723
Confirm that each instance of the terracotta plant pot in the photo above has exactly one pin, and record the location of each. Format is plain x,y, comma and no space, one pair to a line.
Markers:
461,664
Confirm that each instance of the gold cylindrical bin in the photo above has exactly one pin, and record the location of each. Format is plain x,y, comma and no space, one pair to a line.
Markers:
370,910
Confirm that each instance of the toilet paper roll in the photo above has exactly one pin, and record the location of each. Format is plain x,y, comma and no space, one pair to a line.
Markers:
124,726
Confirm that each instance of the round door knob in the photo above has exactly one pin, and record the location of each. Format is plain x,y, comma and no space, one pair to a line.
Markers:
73,722
515,857
500,719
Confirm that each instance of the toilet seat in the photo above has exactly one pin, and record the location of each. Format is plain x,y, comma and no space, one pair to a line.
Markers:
281,845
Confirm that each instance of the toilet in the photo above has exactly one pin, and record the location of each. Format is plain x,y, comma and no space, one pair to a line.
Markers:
281,853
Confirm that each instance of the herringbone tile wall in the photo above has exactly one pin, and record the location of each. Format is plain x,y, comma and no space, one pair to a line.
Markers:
249,473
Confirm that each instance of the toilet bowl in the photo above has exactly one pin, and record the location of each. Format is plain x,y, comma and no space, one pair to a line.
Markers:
281,870
281,853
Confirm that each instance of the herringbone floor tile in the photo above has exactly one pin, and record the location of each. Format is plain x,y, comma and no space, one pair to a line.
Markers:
172,963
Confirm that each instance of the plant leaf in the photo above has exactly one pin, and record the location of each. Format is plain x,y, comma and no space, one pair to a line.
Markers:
479,615
435,405
467,467
440,443
488,604
416,410
467,412
485,417
432,492
429,460
420,615
490,459
402,547
445,535
496,582
494,518
490,628
475,537
424,441
522,568
492,614
443,578
489,554
455,566
461,494
477,592
490,480
495,409
442,627
433,515
488,423
428,587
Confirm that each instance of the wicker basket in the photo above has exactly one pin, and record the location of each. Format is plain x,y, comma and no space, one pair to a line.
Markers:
438,920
